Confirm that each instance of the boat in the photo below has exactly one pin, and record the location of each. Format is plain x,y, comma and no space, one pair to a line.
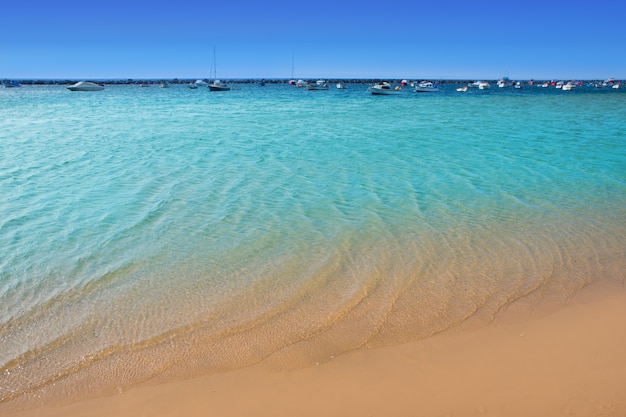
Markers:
481,85
85,86
384,89
164,84
341,86
217,85
292,80
504,82
616,86
518,85
192,86
426,87
11,84
462,89
568,86
319,85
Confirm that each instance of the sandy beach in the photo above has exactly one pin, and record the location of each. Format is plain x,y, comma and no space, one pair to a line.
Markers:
566,361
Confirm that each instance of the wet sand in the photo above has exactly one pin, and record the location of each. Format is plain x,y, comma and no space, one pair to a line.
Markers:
568,361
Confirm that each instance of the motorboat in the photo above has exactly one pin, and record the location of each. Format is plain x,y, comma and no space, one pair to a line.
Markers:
319,85
85,86
568,86
384,89
481,85
616,86
341,86
426,87
217,85
11,84
462,89
504,82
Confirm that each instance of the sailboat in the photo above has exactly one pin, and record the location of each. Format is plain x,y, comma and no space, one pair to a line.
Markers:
217,85
292,81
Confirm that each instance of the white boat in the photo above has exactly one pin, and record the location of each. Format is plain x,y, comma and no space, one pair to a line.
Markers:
319,85
426,87
85,86
569,86
341,86
217,85
518,85
616,86
504,82
481,85
384,89
462,89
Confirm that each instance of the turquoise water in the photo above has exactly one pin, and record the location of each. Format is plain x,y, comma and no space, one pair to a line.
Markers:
151,233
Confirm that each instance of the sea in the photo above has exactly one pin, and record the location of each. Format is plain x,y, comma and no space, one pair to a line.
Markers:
153,234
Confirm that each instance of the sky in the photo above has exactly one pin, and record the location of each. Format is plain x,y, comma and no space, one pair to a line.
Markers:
448,39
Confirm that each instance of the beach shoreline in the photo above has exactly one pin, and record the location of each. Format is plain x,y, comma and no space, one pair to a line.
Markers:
551,360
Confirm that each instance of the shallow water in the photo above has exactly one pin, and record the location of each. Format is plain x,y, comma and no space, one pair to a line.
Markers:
158,233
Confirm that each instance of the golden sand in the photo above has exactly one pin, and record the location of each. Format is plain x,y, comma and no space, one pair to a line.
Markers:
566,362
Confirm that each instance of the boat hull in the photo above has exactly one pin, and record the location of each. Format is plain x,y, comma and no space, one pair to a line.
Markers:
426,89
213,87
316,87
85,86
384,92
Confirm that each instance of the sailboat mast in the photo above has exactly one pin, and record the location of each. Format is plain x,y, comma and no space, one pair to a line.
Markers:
214,65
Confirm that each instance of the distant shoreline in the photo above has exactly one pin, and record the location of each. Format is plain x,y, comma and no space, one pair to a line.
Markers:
156,81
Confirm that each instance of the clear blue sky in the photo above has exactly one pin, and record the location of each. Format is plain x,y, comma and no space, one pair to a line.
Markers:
331,39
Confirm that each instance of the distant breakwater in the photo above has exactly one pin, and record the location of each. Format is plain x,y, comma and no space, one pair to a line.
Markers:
184,81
